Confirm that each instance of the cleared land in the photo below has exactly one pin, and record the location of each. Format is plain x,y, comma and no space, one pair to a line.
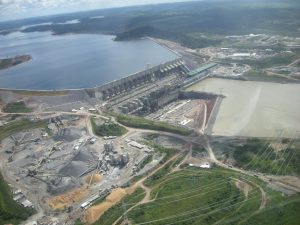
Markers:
66,200
108,218
255,109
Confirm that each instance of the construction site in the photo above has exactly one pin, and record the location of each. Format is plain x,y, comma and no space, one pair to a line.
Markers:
57,164
192,114
64,167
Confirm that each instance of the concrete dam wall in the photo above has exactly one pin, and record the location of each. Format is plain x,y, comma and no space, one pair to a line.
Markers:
117,87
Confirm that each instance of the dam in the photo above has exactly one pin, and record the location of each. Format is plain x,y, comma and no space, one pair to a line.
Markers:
125,84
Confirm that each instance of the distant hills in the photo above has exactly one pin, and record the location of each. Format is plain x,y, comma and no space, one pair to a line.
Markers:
181,22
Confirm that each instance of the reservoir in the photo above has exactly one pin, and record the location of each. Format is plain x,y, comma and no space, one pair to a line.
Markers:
254,109
75,61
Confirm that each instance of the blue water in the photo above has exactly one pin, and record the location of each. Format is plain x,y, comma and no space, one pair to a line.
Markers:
75,61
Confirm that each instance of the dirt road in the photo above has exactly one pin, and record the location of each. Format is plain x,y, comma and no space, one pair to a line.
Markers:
95,212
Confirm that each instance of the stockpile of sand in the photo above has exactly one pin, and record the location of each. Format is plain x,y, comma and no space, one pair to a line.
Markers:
116,195
60,202
94,178
95,212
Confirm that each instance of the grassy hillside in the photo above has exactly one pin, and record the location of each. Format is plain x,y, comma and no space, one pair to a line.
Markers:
286,212
194,196
10,211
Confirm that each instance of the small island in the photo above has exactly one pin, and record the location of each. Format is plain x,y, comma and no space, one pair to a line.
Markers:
10,62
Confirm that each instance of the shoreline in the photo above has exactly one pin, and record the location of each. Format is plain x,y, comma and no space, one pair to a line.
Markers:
97,87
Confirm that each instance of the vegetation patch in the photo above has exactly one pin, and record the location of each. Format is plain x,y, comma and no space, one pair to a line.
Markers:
168,152
147,160
259,67
10,62
107,128
286,212
260,75
199,150
20,125
151,137
10,211
78,222
159,174
272,157
139,122
16,107
277,60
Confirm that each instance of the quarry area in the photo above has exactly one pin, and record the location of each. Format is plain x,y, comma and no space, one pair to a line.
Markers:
74,155
64,166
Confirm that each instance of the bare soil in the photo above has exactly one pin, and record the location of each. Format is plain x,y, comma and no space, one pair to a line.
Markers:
95,212
63,201
243,187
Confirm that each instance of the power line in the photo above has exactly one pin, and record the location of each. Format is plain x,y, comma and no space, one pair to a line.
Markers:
211,190
265,153
125,218
283,155
194,190
263,147
198,209
289,160
219,209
